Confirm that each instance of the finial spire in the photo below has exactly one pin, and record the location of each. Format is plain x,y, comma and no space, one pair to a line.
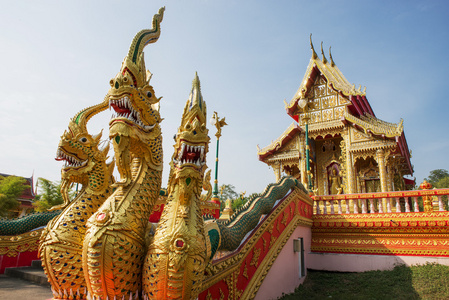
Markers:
314,55
195,95
322,53
330,56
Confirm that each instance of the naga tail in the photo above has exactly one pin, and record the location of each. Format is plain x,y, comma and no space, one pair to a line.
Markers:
228,235
145,37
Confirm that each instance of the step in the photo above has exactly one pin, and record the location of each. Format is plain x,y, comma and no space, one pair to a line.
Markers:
36,275
37,264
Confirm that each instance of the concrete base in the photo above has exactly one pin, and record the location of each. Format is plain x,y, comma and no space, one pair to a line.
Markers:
362,263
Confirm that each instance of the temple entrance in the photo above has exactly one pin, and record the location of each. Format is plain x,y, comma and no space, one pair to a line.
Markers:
372,186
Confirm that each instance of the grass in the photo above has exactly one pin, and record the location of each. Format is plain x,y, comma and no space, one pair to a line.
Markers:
429,281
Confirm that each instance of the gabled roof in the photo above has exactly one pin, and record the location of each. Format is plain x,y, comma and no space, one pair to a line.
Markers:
376,127
358,103
372,125
281,141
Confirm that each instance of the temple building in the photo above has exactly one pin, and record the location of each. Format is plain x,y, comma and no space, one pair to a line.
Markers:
25,199
350,149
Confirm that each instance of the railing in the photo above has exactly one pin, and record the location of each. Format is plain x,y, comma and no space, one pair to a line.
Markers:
388,202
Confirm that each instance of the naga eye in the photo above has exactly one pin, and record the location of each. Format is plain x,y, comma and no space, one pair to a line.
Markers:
149,94
83,140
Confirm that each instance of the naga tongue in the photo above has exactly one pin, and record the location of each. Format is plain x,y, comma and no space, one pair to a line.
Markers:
190,155
120,110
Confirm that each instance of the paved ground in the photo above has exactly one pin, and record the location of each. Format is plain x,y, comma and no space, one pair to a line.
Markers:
15,288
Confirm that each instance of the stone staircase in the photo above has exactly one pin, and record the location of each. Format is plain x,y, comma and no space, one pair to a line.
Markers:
35,273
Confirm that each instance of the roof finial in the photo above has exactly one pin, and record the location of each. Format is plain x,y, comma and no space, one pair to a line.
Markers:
330,56
322,53
314,55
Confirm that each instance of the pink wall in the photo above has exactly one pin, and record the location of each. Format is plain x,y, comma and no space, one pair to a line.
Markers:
283,276
361,263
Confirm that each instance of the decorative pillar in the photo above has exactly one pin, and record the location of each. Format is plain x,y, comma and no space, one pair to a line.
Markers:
390,172
427,200
349,164
325,182
380,158
302,162
277,170
358,185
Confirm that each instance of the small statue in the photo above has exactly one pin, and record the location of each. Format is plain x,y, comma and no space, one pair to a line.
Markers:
228,204
335,183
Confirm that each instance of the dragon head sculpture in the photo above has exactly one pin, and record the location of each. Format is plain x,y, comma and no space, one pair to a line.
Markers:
191,145
79,150
135,104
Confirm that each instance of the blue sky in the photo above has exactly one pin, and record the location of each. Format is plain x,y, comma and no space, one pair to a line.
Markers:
58,58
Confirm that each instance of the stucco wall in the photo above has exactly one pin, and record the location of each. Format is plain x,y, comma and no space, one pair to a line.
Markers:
362,263
283,276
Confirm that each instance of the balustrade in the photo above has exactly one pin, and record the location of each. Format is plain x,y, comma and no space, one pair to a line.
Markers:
396,202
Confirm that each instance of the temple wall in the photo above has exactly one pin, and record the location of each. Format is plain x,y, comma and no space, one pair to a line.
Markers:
361,263
283,277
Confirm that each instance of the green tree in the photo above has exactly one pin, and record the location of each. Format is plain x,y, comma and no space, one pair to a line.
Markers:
442,183
239,202
436,175
11,187
49,194
227,191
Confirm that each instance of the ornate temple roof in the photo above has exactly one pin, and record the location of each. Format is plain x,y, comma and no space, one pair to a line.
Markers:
358,103
354,109
285,137
372,125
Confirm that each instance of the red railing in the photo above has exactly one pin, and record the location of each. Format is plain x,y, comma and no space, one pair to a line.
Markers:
387,202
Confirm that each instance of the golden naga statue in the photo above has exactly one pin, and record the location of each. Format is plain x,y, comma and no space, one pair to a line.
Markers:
114,246
177,257
61,243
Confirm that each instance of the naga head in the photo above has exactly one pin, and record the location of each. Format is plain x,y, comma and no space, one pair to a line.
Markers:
192,140
131,96
79,150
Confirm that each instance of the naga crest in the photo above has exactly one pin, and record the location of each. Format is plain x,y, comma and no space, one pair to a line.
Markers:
79,150
192,142
132,97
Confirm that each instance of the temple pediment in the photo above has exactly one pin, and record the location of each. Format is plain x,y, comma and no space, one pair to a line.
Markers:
328,93
282,144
